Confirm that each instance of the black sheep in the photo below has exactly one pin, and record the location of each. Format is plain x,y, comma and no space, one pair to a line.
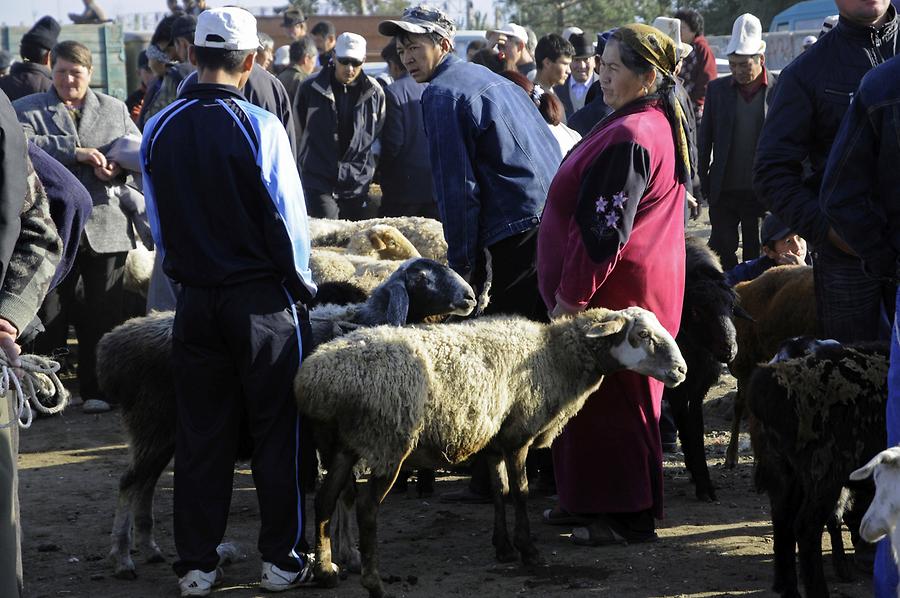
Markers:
707,339
814,419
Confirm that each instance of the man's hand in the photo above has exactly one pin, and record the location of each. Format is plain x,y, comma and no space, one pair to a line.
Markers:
789,259
693,207
90,156
8,335
109,172
562,308
838,242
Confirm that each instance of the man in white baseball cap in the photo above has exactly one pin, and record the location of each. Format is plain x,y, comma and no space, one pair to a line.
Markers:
734,112
340,98
511,40
227,213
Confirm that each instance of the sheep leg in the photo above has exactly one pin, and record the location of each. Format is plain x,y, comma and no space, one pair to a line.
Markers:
784,542
343,541
120,552
689,421
739,406
340,473
810,520
153,462
368,500
502,545
838,556
518,478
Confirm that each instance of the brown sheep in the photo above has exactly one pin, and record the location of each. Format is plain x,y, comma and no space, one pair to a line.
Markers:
782,303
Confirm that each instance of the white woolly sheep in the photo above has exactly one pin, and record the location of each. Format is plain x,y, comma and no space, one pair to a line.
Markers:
782,305
133,368
814,418
432,396
880,519
426,234
138,268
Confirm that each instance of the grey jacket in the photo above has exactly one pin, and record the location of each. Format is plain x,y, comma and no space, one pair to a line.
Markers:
104,119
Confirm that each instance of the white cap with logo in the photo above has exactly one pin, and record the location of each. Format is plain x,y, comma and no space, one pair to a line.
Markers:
512,30
228,28
350,45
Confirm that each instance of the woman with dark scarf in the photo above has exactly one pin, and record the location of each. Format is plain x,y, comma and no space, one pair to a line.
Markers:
612,235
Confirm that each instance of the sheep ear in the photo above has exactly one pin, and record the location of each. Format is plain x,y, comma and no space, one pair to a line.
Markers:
889,456
866,470
606,328
376,241
398,305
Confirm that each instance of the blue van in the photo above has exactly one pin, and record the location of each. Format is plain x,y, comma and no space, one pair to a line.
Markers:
803,16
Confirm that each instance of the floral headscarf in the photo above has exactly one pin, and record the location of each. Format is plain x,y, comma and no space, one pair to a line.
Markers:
660,51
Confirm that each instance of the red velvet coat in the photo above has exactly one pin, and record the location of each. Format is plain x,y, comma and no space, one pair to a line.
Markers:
612,235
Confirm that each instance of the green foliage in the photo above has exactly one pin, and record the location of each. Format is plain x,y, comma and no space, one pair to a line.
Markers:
307,7
545,16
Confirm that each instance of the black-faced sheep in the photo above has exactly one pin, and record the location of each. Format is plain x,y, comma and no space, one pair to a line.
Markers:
814,418
782,305
426,234
432,396
880,519
707,339
133,367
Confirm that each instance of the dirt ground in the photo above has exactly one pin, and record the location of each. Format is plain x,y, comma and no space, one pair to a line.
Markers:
70,466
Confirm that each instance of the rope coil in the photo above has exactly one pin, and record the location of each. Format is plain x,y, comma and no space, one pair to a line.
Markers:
38,375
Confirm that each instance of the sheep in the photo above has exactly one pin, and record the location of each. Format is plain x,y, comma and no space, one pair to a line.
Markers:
707,339
432,396
368,259
426,234
138,267
381,241
781,303
813,419
880,519
133,368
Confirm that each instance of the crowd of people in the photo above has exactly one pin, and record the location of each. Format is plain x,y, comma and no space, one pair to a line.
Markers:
563,169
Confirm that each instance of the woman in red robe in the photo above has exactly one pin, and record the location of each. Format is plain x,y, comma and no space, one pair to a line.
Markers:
612,235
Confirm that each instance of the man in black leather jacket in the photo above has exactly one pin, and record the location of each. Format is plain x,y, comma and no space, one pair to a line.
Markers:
813,95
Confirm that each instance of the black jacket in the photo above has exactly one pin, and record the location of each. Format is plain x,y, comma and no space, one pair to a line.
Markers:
265,90
24,79
813,94
405,163
223,194
13,187
716,131
859,190
594,110
323,168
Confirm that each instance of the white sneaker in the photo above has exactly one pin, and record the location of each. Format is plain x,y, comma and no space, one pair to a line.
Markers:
199,583
275,579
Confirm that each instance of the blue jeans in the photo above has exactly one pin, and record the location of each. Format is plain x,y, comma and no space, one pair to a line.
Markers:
885,575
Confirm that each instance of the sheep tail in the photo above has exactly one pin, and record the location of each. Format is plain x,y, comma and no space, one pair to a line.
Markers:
484,298
28,379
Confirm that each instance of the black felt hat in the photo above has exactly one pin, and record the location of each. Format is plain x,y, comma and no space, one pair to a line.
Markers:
44,33
582,46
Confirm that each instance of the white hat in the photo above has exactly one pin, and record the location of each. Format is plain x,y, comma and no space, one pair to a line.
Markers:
282,56
350,45
746,37
672,28
828,24
512,30
809,40
229,28
572,30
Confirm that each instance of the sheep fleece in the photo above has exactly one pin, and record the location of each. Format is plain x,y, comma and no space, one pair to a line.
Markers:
447,389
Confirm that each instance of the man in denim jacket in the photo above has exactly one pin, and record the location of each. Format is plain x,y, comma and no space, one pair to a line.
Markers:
492,158
859,199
